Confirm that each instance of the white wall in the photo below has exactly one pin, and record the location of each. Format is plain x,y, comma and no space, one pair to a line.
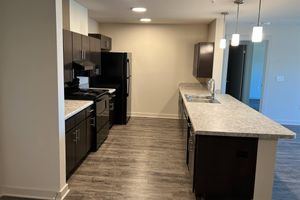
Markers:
281,100
32,138
162,58
78,18
94,26
66,14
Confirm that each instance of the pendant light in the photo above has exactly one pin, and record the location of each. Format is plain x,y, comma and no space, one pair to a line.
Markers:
257,33
223,40
235,40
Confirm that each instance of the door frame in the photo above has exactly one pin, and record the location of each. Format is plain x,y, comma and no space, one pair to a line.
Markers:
244,39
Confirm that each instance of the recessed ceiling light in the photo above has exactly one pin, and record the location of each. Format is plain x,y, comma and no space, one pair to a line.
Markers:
139,9
145,20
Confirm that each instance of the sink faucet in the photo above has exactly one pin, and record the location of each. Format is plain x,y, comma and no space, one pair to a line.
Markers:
212,88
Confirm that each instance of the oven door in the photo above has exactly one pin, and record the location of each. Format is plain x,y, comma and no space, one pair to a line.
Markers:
102,112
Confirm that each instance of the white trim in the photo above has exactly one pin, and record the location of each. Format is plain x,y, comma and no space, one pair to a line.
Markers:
63,193
35,193
154,115
288,122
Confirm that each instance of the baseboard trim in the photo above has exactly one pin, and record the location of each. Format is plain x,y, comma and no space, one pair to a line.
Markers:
35,193
288,122
63,192
154,115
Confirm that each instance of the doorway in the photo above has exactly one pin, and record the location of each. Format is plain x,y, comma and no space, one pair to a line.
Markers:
245,73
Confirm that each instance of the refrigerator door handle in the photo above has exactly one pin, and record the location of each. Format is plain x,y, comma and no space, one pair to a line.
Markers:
128,87
128,68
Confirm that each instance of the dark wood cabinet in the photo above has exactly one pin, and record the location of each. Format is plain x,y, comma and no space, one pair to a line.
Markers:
106,42
70,151
95,50
68,58
77,49
85,47
81,47
78,139
203,60
80,150
225,167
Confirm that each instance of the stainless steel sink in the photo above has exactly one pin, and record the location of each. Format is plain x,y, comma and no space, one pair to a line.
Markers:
200,99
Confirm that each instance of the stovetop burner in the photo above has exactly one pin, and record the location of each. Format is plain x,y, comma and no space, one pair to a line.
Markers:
85,94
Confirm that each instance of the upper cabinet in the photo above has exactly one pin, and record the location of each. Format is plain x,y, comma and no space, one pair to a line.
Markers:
203,60
85,51
81,47
68,58
85,44
106,42
95,50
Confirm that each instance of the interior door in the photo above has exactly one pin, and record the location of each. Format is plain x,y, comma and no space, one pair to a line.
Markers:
235,72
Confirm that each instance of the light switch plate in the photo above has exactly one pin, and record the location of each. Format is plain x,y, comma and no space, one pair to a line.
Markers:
280,78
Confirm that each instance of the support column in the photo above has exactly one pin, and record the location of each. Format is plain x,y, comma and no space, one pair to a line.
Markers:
265,164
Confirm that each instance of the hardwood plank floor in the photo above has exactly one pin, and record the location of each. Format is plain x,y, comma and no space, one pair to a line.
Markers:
143,160
287,171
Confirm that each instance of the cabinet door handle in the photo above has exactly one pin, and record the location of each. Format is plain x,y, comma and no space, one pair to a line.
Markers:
81,54
91,111
78,132
93,122
75,137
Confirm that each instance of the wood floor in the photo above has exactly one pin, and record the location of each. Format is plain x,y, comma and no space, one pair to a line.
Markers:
287,172
143,160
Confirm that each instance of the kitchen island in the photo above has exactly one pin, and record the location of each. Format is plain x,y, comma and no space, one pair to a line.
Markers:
250,153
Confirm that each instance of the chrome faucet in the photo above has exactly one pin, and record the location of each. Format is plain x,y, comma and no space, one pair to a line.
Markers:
212,88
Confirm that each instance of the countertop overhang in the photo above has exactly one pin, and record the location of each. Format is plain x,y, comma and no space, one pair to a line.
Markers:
72,107
229,118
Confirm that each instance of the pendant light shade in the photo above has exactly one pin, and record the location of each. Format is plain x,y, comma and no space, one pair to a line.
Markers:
223,40
257,33
235,40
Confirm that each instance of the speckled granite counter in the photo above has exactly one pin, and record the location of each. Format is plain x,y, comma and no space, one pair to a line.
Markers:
73,107
229,118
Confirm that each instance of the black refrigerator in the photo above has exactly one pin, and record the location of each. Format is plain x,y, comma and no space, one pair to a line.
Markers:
115,72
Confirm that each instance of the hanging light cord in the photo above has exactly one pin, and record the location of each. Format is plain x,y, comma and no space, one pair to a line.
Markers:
259,8
224,24
237,18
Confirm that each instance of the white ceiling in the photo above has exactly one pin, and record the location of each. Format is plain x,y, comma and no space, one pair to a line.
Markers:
192,11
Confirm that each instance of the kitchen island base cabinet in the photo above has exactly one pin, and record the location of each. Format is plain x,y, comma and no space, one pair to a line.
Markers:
224,167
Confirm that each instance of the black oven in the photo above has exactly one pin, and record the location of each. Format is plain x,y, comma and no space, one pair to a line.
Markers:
101,121
99,118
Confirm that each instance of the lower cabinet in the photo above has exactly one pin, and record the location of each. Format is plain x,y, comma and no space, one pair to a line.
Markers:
224,167
78,140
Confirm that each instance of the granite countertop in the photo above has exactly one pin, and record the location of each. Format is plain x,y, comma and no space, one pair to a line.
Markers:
229,118
73,107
